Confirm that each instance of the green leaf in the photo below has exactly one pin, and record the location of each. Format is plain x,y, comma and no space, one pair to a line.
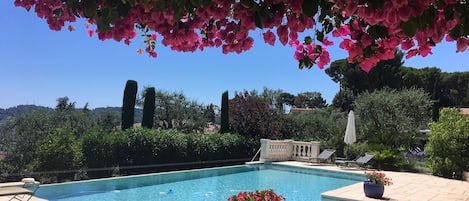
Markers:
247,3
465,30
310,7
257,20
319,35
89,8
329,27
378,32
376,4
103,25
308,40
409,28
456,31
123,10
205,2
195,2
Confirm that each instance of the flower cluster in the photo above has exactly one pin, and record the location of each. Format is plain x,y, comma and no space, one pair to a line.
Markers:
378,178
264,195
370,30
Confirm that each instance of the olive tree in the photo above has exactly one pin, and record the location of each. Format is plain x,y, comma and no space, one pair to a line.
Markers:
393,117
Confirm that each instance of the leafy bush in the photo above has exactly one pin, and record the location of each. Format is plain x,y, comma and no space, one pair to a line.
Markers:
140,147
319,124
386,157
447,149
175,111
59,151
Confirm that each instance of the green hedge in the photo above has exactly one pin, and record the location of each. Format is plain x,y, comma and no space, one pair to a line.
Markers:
140,147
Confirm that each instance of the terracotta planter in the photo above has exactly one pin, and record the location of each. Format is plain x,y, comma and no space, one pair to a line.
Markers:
373,190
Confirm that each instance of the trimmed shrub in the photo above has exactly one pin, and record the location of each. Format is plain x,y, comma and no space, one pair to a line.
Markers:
224,119
149,108
128,104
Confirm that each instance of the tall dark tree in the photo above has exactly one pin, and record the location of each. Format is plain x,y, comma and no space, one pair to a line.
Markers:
287,99
64,105
352,77
343,100
310,100
128,104
224,119
149,108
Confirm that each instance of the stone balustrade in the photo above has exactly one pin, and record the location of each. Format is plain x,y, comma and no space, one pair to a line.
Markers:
284,150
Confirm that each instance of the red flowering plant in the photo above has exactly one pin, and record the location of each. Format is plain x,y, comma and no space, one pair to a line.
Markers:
264,195
378,178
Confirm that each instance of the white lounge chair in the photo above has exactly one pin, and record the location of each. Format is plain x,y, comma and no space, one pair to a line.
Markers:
23,190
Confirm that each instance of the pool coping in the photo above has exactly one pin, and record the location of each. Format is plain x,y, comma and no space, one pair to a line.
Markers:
406,187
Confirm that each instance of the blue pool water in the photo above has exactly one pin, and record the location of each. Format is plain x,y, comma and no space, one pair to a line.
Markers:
213,184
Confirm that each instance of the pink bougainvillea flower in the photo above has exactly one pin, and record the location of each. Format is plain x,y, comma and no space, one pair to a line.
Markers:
127,41
407,44
411,53
71,28
461,44
134,34
324,58
366,40
327,42
153,37
367,64
87,25
299,55
425,50
282,33
449,38
294,43
90,32
313,55
139,51
269,37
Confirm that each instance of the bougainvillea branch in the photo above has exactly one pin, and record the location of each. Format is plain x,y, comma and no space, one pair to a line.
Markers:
369,30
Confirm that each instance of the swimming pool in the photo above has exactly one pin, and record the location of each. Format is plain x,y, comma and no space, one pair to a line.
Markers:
211,184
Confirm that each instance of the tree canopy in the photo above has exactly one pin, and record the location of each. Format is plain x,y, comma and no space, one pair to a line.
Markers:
370,30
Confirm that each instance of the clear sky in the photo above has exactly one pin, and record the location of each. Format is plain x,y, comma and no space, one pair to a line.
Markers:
38,65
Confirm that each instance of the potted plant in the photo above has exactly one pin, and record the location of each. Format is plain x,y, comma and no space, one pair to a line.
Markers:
374,185
264,195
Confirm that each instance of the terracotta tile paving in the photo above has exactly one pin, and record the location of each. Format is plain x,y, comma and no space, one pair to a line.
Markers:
406,187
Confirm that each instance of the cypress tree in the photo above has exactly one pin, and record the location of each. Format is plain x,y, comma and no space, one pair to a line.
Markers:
128,104
224,120
149,108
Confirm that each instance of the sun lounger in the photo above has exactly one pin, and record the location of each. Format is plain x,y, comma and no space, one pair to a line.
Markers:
23,190
323,156
361,161
18,193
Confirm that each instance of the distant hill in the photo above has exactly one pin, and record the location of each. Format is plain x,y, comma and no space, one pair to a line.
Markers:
14,112
17,111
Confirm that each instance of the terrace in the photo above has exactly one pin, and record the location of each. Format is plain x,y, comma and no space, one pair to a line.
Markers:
407,186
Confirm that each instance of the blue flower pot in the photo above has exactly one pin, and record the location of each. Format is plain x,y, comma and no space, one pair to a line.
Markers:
373,190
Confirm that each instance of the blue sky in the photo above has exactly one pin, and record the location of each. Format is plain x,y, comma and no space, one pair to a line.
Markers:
39,65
